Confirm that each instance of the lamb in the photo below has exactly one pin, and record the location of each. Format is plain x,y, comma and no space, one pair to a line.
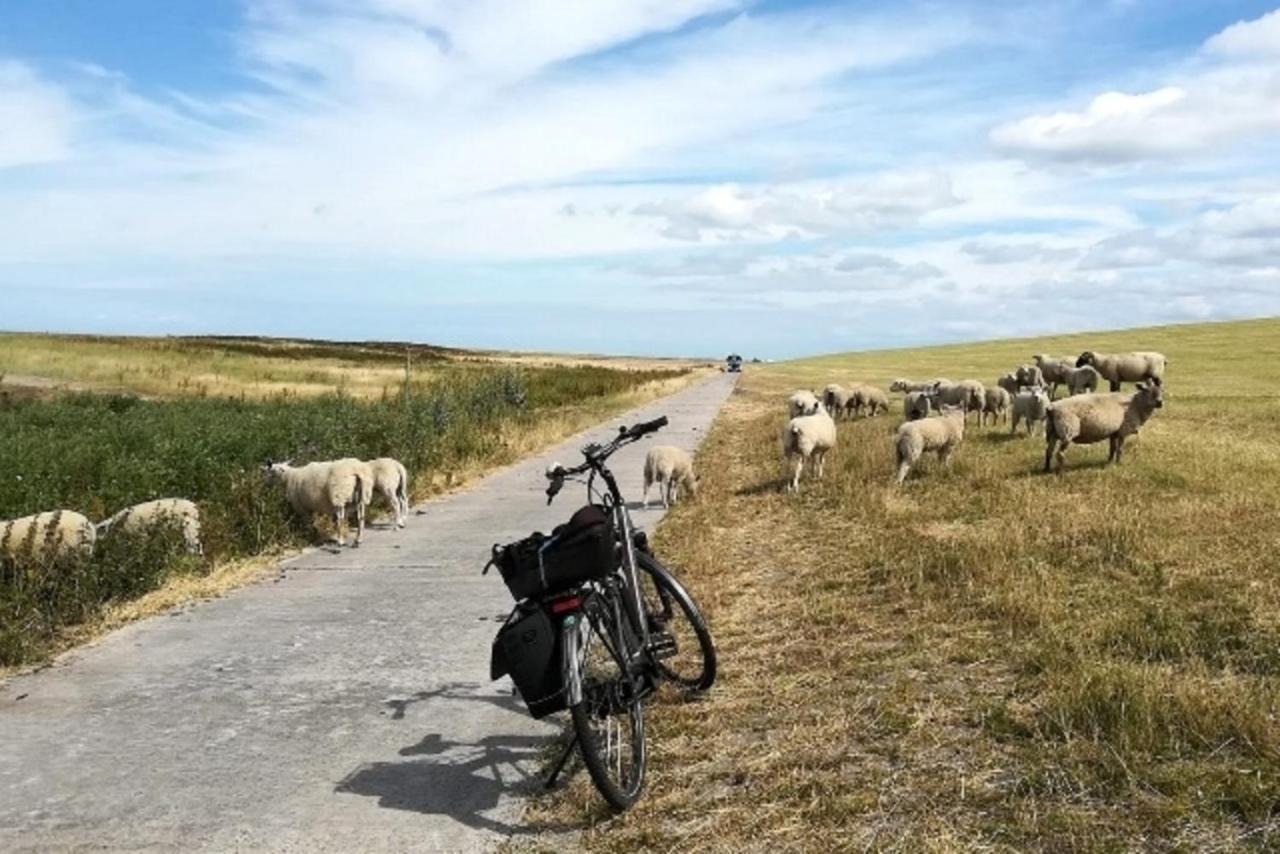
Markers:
942,433
1116,368
996,403
327,487
874,399
1029,406
1083,380
49,535
1009,382
1028,375
836,400
391,481
1054,371
803,402
1090,418
140,517
670,468
917,404
807,439
969,395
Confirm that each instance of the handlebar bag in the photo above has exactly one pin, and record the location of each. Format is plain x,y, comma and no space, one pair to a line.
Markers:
528,648
583,548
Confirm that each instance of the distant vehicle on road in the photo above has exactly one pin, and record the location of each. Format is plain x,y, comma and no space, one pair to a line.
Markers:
733,363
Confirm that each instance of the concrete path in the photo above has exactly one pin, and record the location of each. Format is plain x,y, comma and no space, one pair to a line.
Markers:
345,707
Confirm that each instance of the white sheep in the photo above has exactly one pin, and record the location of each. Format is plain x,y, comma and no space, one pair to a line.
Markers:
1116,368
670,468
1029,406
1028,375
905,385
803,402
917,404
1083,380
941,433
48,535
969,395
996,404
329,488
141,517
1090,418
1009,382
807,438
391,481
1054,371
835,400
870,397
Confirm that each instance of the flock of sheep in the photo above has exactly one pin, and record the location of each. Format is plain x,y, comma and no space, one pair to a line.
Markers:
938,410
330,488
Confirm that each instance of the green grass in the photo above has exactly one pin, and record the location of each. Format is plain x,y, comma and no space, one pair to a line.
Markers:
97,453
987,657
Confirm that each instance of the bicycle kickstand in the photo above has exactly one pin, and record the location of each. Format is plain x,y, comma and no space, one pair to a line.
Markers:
560,763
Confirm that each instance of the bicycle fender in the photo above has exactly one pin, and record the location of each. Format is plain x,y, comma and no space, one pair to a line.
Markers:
573,643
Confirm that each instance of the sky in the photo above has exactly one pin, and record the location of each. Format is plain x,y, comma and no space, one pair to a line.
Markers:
674,177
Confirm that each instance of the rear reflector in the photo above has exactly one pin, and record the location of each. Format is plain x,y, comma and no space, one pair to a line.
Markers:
570,604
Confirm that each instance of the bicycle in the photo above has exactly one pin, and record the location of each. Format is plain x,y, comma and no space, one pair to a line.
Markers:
599,624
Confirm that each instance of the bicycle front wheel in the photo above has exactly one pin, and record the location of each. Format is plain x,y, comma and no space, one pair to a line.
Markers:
688,656
609,721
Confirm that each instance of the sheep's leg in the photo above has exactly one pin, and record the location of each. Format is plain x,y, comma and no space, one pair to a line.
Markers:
1062,453
904,468
797,466
644,496
359,518
1049,448
340,524
1013,430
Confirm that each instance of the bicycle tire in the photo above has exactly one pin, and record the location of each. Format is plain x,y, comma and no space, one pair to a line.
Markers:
606,698
670,590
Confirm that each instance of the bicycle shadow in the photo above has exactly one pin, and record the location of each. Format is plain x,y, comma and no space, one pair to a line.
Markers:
468,781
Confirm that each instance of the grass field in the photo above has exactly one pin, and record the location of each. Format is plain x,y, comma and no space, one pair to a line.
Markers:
987,657
96,452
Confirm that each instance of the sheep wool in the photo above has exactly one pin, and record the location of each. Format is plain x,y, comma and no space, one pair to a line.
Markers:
1117,368
391,481
807,439
1089,418
140,518
996,404
328,488
670,468
917,404
941,433
1029,406
47,536
803,402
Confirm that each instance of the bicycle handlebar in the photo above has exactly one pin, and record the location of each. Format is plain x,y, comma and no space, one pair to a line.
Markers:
596,454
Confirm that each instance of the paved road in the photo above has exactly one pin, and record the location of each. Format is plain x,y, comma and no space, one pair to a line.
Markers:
345,707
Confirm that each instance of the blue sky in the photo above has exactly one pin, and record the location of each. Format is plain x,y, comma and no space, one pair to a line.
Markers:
642,176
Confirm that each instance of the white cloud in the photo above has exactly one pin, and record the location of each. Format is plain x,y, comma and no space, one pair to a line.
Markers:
37,118
1249,38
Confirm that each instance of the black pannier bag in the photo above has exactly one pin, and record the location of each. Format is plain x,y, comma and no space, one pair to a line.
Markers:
528,648
583,548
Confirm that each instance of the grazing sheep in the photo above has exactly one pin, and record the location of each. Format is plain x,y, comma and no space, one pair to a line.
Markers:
670,468
942,433
969,395
1083,380
1030,406
328,488
1090,418
140,517
1009,382
48,535
874,399
1054,372
1028,375
807,439
1116,368
917,405
803,402
904,385
836,400
996,403
391,481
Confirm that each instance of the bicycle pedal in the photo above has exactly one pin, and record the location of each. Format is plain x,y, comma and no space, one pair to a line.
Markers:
662,645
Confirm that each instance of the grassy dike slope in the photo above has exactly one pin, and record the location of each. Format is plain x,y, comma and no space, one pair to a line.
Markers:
987,658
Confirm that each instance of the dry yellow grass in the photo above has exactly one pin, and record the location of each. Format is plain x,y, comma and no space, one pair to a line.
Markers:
987,658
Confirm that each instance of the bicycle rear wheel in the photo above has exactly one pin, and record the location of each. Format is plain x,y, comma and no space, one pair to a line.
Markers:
609,721
689,659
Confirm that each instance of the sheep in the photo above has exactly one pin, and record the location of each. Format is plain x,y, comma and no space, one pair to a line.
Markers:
942,433
140,517
969,395
327,487
49,535
996,403
670,468
803,402
836,400
1029,406
1028,375
1090,418
1116,368
1009,382
904,385
1054,371
917,404
1083,380
807,439
874,399
391,481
